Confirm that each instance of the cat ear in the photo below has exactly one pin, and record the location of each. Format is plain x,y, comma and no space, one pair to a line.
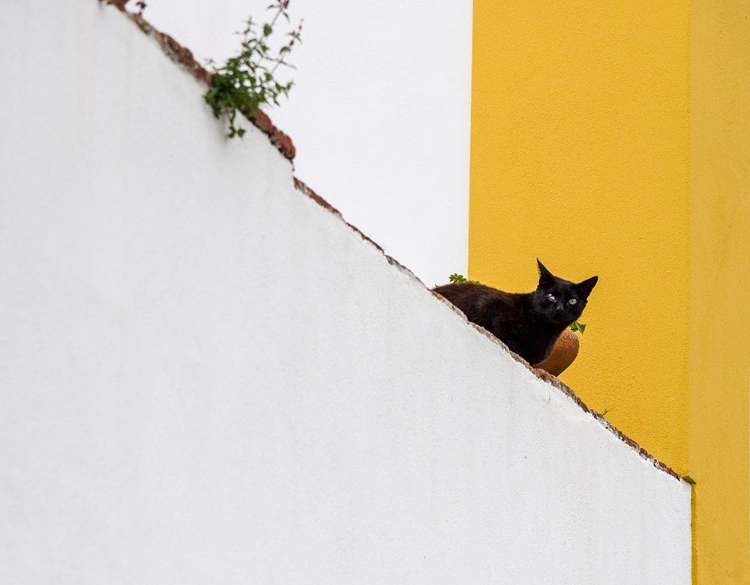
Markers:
587,285
544,274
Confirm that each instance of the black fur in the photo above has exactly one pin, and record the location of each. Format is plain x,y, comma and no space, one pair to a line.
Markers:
528,323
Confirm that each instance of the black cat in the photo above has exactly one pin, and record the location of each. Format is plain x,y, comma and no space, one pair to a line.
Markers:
529,323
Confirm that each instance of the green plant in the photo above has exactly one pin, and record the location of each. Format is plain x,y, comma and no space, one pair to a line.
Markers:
455,277
247,81
576,326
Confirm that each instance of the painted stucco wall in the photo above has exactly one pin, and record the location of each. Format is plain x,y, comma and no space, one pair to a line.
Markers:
380,112
719,454
206,376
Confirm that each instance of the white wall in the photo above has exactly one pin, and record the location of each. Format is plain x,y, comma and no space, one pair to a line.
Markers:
206,377
379,112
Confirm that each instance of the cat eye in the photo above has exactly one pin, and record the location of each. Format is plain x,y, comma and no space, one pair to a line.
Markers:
572,302
551,297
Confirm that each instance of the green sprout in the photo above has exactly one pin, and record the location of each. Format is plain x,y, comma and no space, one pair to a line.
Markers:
248,81
455,277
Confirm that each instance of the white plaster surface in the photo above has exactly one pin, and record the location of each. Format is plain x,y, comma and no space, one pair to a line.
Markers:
379,113
205,377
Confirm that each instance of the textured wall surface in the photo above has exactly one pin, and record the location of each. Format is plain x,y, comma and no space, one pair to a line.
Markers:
720,280
208,377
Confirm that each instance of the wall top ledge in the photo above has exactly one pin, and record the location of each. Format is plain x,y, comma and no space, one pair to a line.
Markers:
184,57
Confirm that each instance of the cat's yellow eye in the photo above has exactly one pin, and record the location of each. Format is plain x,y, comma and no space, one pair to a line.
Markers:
572,302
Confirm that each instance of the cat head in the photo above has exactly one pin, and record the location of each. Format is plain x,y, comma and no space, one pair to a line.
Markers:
560,301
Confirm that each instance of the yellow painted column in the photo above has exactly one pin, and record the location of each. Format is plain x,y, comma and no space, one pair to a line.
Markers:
720,290
580,157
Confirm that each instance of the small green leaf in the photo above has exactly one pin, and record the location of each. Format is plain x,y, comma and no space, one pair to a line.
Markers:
267,30
576,326
455,277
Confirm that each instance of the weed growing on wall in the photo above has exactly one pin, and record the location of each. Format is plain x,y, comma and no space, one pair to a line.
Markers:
249,80
576,326
455,277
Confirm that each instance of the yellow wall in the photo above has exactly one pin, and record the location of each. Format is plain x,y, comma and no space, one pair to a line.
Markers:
580,156
613,138
720,289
